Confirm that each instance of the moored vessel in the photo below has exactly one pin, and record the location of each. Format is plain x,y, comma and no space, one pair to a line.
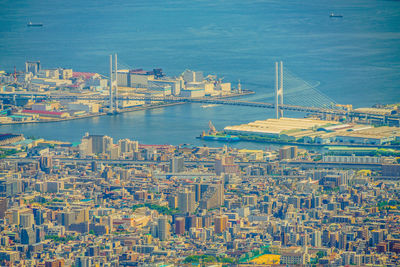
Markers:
31,24
333,15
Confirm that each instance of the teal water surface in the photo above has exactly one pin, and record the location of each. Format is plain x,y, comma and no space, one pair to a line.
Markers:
354,59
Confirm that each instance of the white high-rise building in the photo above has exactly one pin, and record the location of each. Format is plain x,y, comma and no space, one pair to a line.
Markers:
177,164
316,239
163,228
190,76
26,220
186,201
128,146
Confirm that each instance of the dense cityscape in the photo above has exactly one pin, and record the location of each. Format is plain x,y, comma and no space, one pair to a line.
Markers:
122,203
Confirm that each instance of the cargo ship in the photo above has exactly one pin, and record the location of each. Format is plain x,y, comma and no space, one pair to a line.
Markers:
333,15
30,24
212,135
225,137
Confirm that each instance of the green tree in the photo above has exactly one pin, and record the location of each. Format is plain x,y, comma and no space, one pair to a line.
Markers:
320,254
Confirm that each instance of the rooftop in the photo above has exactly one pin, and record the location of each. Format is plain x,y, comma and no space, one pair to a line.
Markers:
42,112
287,126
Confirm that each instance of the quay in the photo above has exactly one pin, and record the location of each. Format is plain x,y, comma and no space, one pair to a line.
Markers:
124,110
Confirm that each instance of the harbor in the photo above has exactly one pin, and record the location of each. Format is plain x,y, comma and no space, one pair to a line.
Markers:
33,96
307,132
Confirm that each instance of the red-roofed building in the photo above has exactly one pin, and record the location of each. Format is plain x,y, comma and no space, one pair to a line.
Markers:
85,75
44,113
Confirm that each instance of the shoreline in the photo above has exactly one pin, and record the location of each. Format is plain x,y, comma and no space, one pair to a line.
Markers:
131,109
277,142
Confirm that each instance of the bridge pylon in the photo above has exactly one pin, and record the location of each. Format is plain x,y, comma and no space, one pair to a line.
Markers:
278,89
113,85
111,82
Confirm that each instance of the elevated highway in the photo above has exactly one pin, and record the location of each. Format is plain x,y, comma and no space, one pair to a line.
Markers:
148,99
393,119
300,164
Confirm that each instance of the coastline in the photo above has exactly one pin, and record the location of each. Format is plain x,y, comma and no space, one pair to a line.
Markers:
310,145
131,109
318,145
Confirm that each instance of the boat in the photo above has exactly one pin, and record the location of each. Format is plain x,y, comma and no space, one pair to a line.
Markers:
31,24
209,106
224,137
213,135
333,15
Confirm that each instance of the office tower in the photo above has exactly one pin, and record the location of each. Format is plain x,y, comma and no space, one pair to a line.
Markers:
220,223
173,202
3,207
177,164
316,239
66,218
333,240
83,261
96,144
190,222
186,201
85,147
46,163
93,166
190,76
288,152
92,251
107,173
249,200
110,223
199,222
163,228
40,234
15,216
377,237
26,220
32,66
107,144
10,187
28,236
315,201
225,164
326,237
81,215
212,196
180,226
127,146
113,150
207,221
54,186
123,174
342,242
197,191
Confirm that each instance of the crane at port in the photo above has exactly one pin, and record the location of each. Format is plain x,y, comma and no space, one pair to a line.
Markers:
212,129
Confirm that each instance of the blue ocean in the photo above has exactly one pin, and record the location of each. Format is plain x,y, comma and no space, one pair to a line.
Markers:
353,60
